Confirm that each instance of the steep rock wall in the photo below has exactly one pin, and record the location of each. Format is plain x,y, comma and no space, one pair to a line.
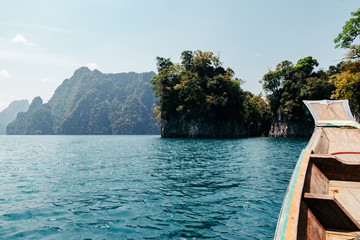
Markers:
283,129
200,128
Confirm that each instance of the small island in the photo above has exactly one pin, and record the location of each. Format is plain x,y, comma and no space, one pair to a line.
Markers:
201,99
198,98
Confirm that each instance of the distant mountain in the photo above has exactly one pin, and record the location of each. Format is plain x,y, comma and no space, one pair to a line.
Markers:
9,114
91,102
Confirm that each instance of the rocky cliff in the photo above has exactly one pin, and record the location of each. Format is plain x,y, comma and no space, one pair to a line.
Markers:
91,102
201,128
285,128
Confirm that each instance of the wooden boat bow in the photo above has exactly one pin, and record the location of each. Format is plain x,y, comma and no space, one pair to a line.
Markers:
323,197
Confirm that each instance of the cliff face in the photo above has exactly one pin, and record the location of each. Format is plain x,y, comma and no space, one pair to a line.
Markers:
200,128
284,128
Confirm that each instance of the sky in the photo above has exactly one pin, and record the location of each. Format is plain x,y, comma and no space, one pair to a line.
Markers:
43,42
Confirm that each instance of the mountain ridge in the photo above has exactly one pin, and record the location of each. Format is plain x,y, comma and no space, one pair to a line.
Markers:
10,112
92,102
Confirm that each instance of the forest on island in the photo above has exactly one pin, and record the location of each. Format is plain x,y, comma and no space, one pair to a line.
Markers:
200,89
200,98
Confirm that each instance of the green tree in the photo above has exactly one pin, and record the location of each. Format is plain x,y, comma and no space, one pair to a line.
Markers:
258,113
273,82
349,34
290,84
199,87
199,90
347,84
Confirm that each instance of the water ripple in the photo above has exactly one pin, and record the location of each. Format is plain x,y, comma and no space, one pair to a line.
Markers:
142,187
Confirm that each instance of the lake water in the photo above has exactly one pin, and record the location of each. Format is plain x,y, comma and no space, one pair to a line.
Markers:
142,187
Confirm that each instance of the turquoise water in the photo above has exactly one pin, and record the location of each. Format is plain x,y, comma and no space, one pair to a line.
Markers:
142,187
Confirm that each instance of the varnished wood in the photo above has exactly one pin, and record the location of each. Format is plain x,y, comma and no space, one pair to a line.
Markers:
309,227
316,181
323,198
330,213
335,169
348,195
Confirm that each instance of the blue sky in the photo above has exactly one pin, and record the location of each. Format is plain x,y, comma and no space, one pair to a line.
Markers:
43,42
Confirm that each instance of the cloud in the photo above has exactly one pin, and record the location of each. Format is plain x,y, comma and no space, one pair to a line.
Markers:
45,80
258,54
21,39
4,74
92,66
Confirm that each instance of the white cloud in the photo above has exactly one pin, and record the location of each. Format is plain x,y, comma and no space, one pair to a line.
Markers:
258,54
45,80
4,74
21,39
92,66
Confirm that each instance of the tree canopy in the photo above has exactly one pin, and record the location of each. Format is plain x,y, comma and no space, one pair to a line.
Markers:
200,89
289,84
349,34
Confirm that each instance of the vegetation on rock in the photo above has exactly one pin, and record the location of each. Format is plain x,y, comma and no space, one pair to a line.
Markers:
289,84
9,114
91,102
200,98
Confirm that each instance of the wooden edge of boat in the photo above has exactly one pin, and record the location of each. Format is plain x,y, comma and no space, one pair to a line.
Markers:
323,196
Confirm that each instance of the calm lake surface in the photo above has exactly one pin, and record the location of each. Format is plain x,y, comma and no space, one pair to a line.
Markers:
142,187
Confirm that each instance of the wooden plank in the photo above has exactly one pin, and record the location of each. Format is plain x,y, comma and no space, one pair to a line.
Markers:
315,181
347,199
287,225
314,228
356,193
339,158
309,227
334,169
344,184
321,144
341,140
336,235
349,158
330,213
334,111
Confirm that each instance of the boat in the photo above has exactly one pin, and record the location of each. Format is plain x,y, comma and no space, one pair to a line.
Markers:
323,196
